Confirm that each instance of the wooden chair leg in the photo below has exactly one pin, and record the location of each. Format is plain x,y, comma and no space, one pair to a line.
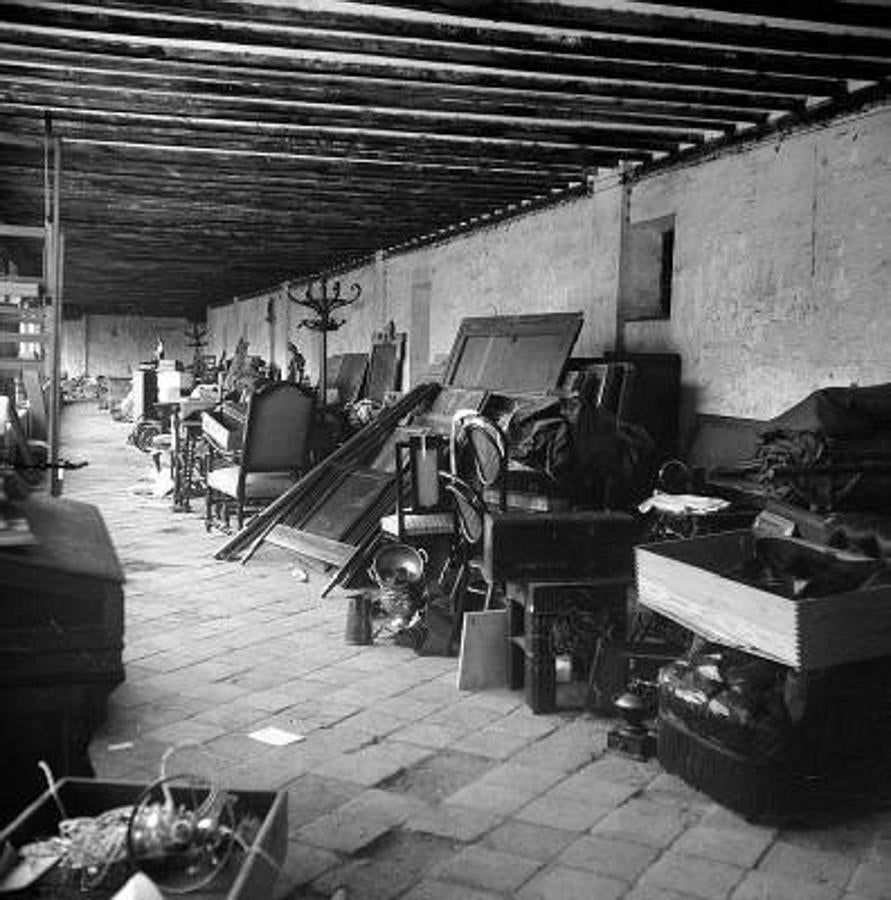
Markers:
490,594
456,602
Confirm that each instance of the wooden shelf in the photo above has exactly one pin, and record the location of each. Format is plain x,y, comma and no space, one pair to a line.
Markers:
22,314
14,364
37,232
23,337
39,378
21,287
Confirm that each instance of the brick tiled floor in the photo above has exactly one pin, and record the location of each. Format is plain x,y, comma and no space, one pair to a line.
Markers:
404,787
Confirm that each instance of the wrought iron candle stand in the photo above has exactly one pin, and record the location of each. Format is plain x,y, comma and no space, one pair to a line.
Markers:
324,305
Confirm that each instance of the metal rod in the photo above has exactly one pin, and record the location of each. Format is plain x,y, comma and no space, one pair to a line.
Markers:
55,386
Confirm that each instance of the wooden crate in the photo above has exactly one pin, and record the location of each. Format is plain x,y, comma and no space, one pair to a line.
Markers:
251,874
688,581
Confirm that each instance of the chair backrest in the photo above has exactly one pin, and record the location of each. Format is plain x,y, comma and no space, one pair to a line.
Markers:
479,453
470,509
277,428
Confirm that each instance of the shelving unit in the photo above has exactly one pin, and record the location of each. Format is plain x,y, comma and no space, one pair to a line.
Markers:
31,308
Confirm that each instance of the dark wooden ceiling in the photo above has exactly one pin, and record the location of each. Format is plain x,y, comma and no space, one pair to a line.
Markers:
212,148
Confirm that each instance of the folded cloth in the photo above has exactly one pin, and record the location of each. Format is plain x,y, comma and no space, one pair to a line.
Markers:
683,504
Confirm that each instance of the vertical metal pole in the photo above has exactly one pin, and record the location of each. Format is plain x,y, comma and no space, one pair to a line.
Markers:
323,363
55,370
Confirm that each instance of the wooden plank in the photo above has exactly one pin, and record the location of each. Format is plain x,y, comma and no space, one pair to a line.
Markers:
23,231
482,662
21,140
311,545
351,567
349,496
384,368
717,607
350,376
37,403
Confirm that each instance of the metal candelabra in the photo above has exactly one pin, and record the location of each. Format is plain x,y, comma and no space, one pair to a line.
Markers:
324,304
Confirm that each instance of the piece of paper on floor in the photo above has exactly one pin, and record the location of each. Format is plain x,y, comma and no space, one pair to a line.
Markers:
277,737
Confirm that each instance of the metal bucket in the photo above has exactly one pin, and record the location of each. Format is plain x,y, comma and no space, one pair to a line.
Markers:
358,620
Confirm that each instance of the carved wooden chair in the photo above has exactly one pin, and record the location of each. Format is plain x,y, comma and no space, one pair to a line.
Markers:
274,453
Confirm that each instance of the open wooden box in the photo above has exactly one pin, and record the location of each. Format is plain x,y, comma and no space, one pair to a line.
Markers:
688,582
248,874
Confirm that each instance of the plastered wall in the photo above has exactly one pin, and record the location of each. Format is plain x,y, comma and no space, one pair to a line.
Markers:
559,259
115,345
269,321
782,275
73,357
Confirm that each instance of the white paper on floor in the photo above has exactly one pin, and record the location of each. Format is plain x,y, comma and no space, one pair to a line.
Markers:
277,737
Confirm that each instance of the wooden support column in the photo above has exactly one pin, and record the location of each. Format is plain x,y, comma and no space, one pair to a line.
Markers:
623,273
380,286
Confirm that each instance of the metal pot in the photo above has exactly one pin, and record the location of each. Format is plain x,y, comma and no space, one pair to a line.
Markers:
398,563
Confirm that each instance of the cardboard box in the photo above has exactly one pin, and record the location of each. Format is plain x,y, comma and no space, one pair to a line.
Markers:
249,874
689,582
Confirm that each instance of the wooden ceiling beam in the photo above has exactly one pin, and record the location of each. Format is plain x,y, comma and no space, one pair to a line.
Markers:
169,131
242,218
214,147
119,213
769,33
151,29
836,12
174,179
113,104
326,23
304,191
546,98
402,69
108,94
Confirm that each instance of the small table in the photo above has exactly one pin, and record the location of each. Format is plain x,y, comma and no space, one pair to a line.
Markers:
536,609
185,434
188,459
